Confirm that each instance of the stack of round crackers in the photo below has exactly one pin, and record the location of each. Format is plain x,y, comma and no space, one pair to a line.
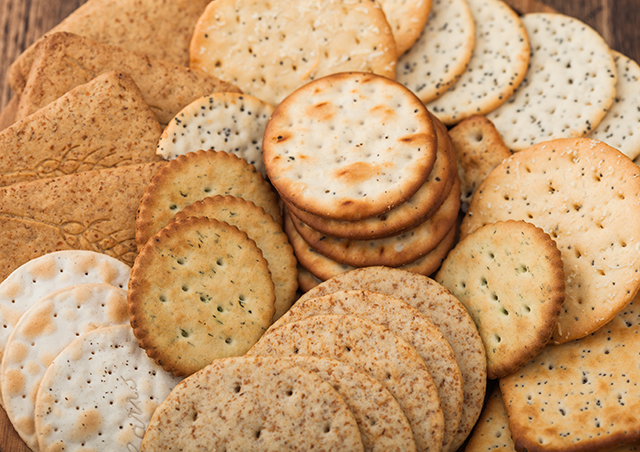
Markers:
367,175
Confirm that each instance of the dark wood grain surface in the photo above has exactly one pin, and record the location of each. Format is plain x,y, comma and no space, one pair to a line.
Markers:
24,21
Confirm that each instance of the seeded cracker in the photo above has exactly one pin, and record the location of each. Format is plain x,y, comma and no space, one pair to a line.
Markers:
268,49
569,87
491,433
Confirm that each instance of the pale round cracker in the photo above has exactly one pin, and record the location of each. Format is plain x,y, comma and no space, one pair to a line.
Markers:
444,310
193,177
497,67
442,52
408,323
262,229
230,122
349,146
585,195
255,403
40,335
371,348
200,289
569,86
407,18
269,49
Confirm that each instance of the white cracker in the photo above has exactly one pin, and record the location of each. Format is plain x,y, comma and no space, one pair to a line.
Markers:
569,86
497,66
620,128
442,52
99,393
229,122
41,334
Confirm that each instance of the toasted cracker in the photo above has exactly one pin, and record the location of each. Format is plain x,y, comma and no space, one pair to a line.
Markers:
349,146
509,275
442,52
569,87
193,177
265,231
374,349
270,49
444,310
106,124
41,334
99,393
497,67
63,61
230,122
411,325
253,403
306,279
200,289
584,194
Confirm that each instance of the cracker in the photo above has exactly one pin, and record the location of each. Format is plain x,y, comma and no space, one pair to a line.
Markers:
200,289
382,424
94,210
269,49
229,122
408,323
253,403
444,310
442,52
157,28
349,146
569,87
410,213
106,124
585,392
491,433
306,279
41,334
63,61
479,149
265,231
497,67
584,194
371,348
99,393
620,127
193,177
407,18
509,276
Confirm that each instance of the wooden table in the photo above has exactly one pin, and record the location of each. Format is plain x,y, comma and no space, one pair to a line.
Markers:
22,22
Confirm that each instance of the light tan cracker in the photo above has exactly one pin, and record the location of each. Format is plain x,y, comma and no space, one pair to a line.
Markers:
491,433
407,18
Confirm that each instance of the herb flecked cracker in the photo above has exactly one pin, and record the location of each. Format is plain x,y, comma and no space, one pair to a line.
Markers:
200,289
229,122
585,195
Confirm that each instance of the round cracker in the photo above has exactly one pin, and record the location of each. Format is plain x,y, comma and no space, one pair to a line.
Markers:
349,146
444,310
200,289
407,18
253,403
269,49
585,195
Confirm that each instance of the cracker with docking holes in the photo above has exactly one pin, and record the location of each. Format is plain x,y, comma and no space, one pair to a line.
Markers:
442,52
444,310
585,195
581,395
269,49
509,275
99,393
407,18
569,87
265,231
491,433
497,67
253,403
349,146
408,323
229,122
371,348
620,127
200,289
195,176
41,334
